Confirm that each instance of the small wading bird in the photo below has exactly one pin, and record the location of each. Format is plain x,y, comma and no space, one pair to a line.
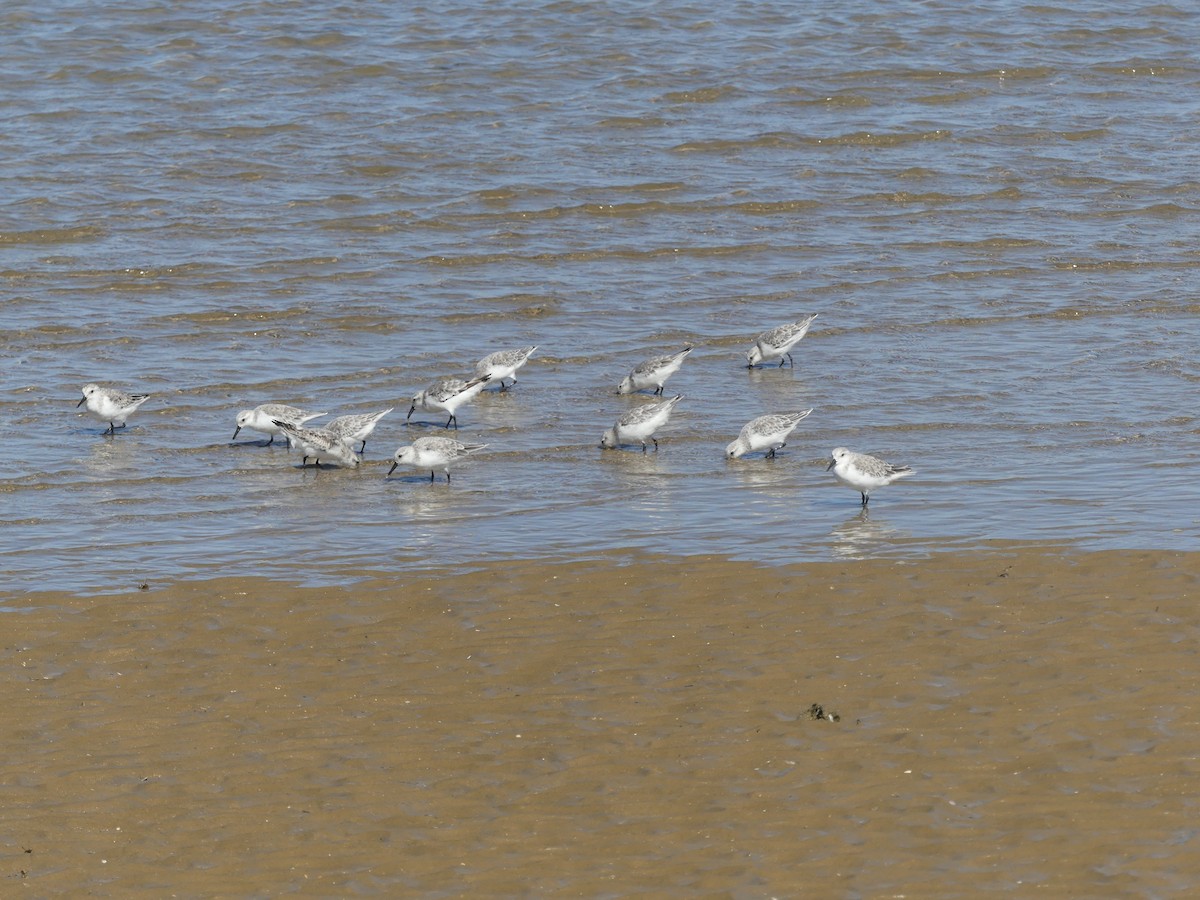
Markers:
778,343
434,453
639,424
503,364
108,404
864,473
653,373
319,443
356,427
765,433
447,396
263,418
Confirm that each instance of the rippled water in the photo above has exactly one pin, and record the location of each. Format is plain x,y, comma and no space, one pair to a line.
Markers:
993,210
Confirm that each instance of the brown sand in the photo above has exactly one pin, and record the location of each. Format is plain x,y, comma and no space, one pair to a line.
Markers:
1019,722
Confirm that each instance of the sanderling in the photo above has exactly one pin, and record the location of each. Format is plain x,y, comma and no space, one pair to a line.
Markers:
110,405
768,433
447,396
778,342
262,418
503,364
653,373
319,443
639,424
434,453
356,427
864,473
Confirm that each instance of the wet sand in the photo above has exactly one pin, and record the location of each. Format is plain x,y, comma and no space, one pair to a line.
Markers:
1007,722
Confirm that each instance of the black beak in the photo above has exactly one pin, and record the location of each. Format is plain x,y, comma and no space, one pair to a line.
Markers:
412,409
393,468
81,402
235,432
832,463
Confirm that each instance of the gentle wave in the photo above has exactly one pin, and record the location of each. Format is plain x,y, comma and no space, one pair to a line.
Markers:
52,235
284,204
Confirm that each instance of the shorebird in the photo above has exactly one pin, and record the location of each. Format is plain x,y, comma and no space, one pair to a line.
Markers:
653,373
357,427
262,418
778,343
503,364
319,443
447,396
639,424
434,453
864,473
765,433
108,404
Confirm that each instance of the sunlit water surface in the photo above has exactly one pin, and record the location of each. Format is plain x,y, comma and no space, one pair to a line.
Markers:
994,210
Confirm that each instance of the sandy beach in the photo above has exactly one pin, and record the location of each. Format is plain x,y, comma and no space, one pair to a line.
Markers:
1015,721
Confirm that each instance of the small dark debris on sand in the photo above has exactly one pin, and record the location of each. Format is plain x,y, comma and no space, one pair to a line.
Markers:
817,711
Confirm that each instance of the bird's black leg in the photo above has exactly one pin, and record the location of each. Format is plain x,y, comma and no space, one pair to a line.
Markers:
643,446
431,476
866,498
271,441
110,429
363,448
771,455
659,390
447,476
453,419
655,444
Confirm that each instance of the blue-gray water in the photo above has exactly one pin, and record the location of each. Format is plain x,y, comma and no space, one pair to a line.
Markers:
995,211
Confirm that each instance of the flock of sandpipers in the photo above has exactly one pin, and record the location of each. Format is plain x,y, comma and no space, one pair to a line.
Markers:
336,441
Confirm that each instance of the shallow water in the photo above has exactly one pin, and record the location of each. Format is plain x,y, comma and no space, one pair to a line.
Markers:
993,211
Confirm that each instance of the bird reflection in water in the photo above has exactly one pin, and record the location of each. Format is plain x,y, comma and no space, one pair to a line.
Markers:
865,536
